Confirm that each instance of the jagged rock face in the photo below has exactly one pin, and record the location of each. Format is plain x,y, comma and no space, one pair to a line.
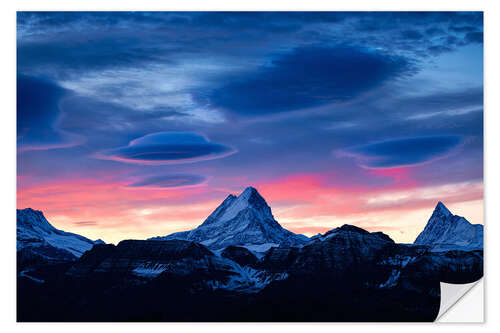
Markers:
339,250
352,251
33,257
137,261
89,262
244,221
240,255
446,231
146,258
412,267
453,266
37,236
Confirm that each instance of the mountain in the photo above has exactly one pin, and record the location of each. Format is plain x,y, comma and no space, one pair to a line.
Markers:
246,221
346,274
37,239
446,231
337,251
347,255
240,255
144,260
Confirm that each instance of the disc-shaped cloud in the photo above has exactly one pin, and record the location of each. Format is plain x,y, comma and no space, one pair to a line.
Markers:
168,148
168,181
403,152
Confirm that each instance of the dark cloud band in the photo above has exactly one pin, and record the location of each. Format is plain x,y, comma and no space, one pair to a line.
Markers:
403,152
37,114
308,77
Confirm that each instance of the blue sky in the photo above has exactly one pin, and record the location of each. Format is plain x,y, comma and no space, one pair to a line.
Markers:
163,112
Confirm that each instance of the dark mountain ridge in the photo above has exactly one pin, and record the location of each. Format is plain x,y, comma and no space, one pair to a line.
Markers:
345,274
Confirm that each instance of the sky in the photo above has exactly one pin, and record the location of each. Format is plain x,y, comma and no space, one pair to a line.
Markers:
139,124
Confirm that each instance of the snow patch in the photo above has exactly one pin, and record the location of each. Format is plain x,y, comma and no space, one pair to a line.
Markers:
149,270
260,247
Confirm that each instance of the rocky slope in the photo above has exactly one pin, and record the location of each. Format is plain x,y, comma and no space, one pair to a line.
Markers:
145,260
445,231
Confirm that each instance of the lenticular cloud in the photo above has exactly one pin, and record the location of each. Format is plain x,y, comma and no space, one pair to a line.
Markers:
403,152
167,148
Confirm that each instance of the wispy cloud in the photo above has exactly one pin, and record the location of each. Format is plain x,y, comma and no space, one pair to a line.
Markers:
168,181
85,223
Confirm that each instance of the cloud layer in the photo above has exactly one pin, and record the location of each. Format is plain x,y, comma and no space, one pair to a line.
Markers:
168,148
283,89
169,181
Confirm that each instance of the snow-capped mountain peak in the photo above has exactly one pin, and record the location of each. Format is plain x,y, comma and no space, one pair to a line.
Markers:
37,234
245,220
441,209
33,220
233,205
445,230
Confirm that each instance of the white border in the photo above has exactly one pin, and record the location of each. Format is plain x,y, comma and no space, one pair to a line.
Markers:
468,309
8,124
